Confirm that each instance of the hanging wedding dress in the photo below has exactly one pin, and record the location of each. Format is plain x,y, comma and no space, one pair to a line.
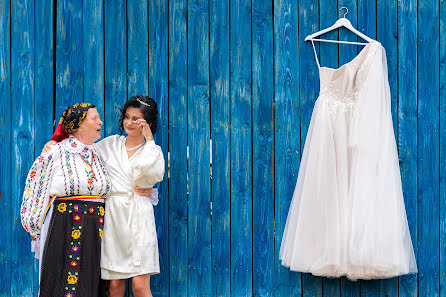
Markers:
347,215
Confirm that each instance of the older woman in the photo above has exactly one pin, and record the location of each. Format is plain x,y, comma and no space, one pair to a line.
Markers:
63,207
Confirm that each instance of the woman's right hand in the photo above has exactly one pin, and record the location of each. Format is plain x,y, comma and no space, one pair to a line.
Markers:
145,192
48,146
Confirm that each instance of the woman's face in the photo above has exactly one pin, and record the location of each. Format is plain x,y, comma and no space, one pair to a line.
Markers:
90,129
132,114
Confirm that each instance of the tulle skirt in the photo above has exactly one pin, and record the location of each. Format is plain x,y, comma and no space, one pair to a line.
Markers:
347,215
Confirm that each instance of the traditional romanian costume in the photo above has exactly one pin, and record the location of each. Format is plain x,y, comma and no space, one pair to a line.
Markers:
63,210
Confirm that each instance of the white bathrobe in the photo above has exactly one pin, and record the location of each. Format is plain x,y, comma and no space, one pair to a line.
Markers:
129,242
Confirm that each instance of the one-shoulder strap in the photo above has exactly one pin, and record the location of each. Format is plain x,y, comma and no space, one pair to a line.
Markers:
315,54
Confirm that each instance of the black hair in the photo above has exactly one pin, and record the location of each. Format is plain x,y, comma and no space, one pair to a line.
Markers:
148,108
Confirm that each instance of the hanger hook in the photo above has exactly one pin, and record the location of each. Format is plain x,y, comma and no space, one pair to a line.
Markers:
346,10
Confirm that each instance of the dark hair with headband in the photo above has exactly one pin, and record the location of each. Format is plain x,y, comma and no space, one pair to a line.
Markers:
148,108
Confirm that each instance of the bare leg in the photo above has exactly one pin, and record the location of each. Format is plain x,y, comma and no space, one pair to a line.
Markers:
141,286
117,288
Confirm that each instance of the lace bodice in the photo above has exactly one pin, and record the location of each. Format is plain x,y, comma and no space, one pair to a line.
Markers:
340,87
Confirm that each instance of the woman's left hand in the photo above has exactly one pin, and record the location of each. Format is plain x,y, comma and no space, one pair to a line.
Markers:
48,146
145,128
145,192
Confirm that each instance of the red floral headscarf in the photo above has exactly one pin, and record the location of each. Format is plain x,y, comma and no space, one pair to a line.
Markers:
71,120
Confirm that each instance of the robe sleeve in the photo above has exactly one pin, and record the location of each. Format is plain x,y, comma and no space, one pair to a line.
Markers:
148,165
101,146
37,193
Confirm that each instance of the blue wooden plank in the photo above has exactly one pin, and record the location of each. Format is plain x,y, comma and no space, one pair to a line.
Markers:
328,56
44,74
241,162
428,148
115,62
158,89
137,39
286,131
442,149
347,51
93,48
331,287
308,70
262,146
370,288
366,17
386,23
22,146
69,55
178,148
328,52
389,287
350,288
308,92
5,149
387,27
199,213
43,86
220,123
407,126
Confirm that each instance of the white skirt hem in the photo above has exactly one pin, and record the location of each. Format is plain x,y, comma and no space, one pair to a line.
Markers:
113,275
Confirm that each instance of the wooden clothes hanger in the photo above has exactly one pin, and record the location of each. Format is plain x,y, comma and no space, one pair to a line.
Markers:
342,22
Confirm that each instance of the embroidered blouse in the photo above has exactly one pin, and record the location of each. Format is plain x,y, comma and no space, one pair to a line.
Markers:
68,168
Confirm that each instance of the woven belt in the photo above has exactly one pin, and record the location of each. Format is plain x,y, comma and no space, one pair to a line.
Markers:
73,197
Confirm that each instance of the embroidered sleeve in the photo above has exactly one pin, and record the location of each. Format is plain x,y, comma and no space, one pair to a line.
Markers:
148,166
36,194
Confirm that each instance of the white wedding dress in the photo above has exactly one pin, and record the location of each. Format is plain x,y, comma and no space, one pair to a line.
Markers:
347,215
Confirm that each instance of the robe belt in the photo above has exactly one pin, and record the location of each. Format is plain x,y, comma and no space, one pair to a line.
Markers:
73,197
136,223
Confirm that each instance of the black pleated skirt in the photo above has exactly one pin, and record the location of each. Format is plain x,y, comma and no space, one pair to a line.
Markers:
71,259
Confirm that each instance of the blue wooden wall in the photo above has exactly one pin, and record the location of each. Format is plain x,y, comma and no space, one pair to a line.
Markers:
237,72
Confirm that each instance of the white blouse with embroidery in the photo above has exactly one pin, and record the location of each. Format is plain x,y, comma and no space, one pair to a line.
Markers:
68,168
